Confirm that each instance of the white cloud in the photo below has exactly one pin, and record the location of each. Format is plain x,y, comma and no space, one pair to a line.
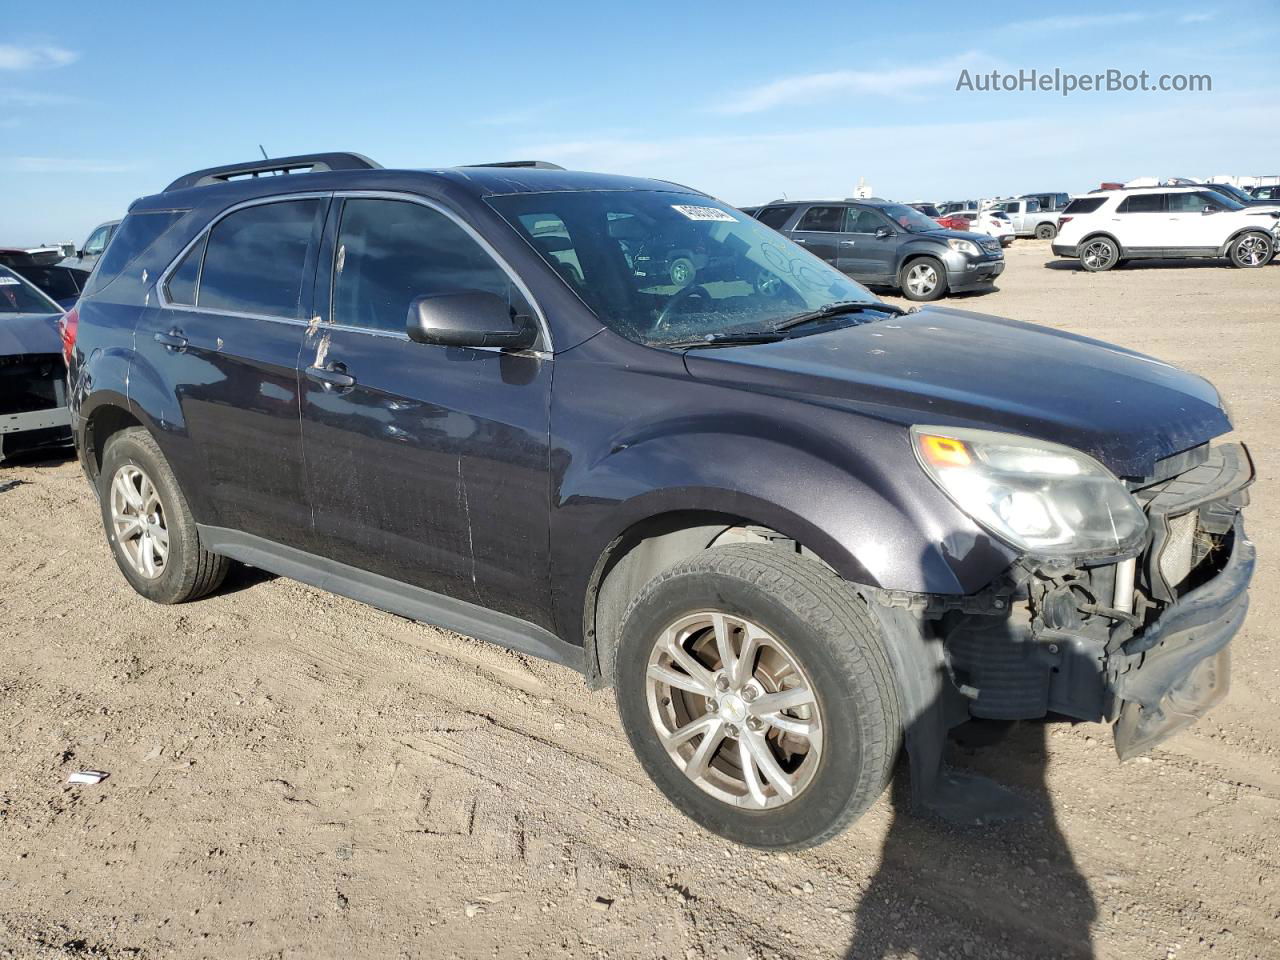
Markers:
34,98
1079,22
810,87
1204,17
14,57
69,165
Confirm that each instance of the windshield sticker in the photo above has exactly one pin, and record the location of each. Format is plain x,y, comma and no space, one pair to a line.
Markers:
9,282
704,213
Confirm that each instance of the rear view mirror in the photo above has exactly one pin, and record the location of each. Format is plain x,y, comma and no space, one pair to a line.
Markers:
470,318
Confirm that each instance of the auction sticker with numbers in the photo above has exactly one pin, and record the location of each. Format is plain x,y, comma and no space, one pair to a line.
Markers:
704,213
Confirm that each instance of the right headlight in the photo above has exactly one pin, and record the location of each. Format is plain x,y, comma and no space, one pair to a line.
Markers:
964,246
1044,498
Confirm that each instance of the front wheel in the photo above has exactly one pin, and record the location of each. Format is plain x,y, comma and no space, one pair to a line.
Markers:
1250,250
756,691
922,279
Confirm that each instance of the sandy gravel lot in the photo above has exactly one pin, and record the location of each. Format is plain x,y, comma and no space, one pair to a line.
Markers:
296,775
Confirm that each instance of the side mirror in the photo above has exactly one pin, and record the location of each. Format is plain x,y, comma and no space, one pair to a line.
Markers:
883,233
468,319
1209,208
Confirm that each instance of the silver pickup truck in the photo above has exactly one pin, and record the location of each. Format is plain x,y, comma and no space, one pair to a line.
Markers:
1029,218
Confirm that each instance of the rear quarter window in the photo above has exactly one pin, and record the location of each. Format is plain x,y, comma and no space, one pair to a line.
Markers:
775,217
1084,205
132,238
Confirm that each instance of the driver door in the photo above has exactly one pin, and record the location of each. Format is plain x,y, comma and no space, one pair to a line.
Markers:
426,464
863,253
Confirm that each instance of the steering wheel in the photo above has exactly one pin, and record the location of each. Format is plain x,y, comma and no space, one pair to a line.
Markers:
693,290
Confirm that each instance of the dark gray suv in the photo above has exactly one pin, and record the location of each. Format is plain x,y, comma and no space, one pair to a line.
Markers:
796,528
889,244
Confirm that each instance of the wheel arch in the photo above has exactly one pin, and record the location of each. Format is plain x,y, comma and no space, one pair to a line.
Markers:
104,422
1095,234
1251,228
647,547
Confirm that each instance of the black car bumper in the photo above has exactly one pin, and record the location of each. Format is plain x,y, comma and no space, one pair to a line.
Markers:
1181,664
975,275
1065,249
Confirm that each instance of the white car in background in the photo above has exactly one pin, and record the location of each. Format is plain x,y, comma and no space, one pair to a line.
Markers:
992,222
1109,227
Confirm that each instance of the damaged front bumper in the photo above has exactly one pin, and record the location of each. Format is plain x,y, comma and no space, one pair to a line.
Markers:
1058,641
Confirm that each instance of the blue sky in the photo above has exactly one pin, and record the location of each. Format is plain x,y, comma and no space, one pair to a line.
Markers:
102,103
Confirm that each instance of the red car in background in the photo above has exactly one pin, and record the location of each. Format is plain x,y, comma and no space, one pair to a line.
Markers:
942,219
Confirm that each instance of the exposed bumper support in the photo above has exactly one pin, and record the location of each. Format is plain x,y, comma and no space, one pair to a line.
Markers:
1179,667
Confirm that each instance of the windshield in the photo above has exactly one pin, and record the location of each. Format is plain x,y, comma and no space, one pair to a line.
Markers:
1235,192
908,218
661,268
19,296
928,209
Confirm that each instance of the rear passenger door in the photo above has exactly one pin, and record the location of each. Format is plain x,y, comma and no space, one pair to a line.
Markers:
223,342
820,230
1143,224
428,464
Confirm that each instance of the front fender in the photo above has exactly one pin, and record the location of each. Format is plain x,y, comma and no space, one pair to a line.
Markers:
845,486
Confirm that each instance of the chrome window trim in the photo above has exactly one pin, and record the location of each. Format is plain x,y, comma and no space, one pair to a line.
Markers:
163,301
544,328
162,282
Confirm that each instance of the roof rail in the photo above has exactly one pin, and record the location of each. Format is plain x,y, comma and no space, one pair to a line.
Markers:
303,163
538,164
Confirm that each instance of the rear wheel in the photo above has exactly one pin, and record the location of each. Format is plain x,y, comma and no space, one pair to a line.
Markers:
1046,231
923,278
1098,254
149,524
1252,249
756,691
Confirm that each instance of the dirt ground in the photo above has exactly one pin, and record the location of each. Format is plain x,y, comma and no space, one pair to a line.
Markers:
293,774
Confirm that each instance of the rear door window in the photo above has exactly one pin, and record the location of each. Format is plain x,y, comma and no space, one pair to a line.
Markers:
256,259
391,252
1143,203
822,219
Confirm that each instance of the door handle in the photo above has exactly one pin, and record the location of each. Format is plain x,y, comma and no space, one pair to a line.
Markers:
846,243
799,240
332,375
173,340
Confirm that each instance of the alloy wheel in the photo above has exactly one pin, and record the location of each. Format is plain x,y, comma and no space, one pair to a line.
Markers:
734,710
138,521
1098,255
922,279
1253,251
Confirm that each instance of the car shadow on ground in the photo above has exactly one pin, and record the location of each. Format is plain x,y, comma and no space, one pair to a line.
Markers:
1073,266
1006,890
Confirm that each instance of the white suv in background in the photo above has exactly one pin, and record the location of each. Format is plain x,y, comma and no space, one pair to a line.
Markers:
1110,227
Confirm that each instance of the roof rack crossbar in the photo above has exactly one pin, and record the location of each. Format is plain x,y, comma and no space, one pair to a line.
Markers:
303,163
537,164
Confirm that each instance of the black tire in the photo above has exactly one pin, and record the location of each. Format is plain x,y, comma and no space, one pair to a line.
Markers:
1098,254
681,272
920,293
1251,249
829,632
1046,231
190,571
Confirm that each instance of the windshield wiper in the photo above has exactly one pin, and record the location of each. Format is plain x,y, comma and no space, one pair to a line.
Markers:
730,338
839,308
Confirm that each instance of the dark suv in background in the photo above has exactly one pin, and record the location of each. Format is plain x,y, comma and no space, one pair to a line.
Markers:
889,244
793,526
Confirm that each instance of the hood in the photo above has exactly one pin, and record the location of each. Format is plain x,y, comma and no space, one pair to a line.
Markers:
955,368
29,333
